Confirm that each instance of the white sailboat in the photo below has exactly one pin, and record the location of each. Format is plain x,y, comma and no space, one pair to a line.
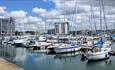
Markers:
97,54
67,48
101,46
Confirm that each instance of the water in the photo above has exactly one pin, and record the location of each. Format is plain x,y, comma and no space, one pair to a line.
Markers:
30,60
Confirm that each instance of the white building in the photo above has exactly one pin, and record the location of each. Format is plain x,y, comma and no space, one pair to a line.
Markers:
62,28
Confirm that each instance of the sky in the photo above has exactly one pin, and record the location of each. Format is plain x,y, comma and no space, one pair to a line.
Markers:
26,5
39,15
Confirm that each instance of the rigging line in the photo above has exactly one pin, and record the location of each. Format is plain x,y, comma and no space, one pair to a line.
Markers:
93,17
10,26
104,15
90,21
64,11
100,9
1,27
45,23
74,17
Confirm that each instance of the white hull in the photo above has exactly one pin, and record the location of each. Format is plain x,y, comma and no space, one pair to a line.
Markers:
67,50
98,55
42,39
19,43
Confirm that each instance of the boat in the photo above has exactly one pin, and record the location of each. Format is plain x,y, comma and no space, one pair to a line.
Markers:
19,42
8,40
113,37
73,54
42,39
38,45
102,43
97,54
107,46
67,48
52,47
112,53
31,43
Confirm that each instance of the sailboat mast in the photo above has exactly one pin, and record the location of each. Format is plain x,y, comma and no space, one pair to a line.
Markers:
64,11
104,16
100,9
75,17
9,26
45,22
90,20
1,27
93,17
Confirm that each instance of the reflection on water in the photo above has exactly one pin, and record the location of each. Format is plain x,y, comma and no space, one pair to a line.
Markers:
101,65
66,55
30,60
21,54
7,52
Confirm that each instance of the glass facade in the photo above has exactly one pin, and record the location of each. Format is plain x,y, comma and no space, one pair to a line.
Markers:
7,26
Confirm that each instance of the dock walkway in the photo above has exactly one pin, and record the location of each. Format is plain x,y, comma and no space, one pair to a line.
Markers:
5,65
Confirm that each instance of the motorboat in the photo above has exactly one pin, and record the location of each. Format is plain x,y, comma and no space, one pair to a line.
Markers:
42,39
19,42
31,43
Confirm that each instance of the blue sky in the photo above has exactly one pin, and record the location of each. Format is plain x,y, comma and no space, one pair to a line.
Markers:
26,5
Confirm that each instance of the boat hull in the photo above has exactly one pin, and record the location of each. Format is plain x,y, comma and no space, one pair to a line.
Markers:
18,45
101,56
66,50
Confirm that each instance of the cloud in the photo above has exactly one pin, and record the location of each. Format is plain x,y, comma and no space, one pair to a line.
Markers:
30,23
2,10
80,8
44,13
16,14
39,11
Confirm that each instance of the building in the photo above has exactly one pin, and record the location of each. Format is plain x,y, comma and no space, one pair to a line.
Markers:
7,26
62,28
51,31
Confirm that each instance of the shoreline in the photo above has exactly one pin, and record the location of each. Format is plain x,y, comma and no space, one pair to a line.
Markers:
5,65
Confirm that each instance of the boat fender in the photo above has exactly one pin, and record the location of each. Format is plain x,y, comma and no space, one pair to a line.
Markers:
106,55
74,50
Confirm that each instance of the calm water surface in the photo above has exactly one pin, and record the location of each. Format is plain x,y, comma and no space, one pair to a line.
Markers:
31,60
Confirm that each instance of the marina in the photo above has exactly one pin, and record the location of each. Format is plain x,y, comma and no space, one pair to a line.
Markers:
33,60
57,35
